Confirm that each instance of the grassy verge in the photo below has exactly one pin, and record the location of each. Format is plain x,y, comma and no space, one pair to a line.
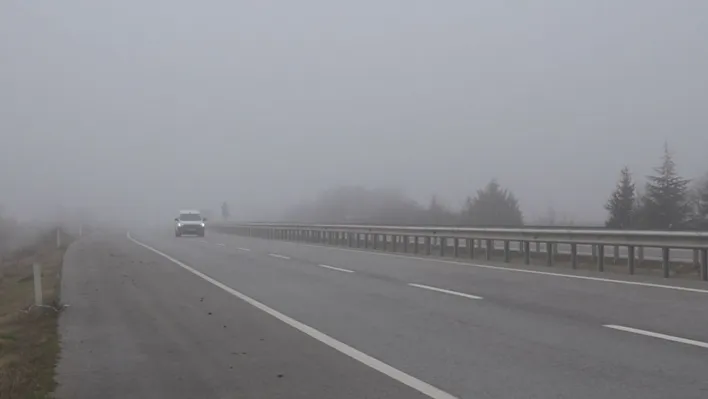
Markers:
28,335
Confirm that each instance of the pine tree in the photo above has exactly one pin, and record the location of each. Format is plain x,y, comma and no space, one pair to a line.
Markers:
494,206
665,204
702,201
437,213
621,203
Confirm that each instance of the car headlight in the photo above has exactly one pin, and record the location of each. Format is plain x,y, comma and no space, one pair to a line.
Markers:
179,224
203,225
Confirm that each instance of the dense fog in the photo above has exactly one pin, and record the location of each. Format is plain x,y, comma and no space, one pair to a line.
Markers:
131,110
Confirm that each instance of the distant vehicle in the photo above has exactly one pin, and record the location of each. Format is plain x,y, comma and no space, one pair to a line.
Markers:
190,222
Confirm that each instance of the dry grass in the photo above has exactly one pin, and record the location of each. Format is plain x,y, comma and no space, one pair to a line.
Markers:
28,337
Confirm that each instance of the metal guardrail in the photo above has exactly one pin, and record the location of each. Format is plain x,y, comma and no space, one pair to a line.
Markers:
410,238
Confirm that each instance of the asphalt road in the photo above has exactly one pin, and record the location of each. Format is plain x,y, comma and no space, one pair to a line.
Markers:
228,316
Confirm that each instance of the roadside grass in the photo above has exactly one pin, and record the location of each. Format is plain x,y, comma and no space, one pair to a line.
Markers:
29,345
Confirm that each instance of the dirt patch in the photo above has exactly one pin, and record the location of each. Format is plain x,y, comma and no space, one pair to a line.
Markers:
28,335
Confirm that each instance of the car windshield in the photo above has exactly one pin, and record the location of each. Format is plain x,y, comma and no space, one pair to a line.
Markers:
190,217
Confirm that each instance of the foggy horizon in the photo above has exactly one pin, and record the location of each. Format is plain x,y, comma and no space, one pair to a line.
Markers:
139,109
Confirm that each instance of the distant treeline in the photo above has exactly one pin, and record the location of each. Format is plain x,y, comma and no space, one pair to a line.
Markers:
492,205
667,201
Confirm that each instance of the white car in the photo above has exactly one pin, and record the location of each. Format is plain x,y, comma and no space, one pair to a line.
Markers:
190,222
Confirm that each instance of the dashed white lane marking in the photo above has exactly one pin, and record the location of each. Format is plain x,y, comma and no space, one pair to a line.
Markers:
462,294
220,244
390,371
339,269
243,249
511,269
658,335
279,256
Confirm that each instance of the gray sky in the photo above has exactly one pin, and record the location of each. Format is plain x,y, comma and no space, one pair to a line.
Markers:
159,105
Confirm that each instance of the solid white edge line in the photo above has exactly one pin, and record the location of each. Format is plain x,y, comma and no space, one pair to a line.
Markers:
279,256
658,335
243,249
462,294
336,268
390,371
511,269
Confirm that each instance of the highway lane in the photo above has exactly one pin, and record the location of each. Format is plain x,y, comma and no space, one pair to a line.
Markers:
514,335
613,300
138,326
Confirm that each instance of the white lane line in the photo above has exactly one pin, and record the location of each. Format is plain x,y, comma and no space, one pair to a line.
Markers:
337,269
243,249
220,244
658,335
510,269
204,241
462,294
398,375
279,256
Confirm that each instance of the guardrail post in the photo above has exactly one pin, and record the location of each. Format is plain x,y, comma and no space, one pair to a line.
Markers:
600,257
696,262
704,264
415,244
384,242
630,258
538,247
490,248
427,245
470,247
574,255
665,261
593,251
456,247
506,251
405,243
549,254
527,253
616,254
443,243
